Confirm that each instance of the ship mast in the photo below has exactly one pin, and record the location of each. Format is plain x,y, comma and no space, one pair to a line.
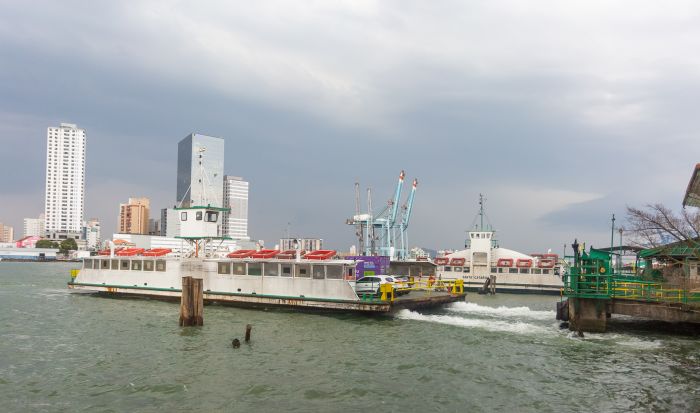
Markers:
481,211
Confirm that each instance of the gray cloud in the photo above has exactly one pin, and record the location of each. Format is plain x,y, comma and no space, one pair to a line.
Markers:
561,113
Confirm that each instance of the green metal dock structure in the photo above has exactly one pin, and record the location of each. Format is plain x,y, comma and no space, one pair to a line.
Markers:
595,290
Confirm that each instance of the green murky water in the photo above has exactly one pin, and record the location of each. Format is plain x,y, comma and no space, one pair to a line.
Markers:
63,351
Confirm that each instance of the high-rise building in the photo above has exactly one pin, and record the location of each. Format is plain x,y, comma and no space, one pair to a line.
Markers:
133,217
163,221
65,181
235,222
153,226
34,227
7,233
200,171
91,234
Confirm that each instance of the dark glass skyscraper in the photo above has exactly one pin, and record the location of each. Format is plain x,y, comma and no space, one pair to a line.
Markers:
200,171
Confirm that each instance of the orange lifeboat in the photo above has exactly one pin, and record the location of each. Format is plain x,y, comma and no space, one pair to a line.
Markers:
129,252
442,261
545,263
157,252
504,262
265,254
523,263
241,254
458,262
320,255
554,257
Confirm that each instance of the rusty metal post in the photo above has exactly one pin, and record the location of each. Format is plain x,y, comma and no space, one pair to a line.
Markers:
248,327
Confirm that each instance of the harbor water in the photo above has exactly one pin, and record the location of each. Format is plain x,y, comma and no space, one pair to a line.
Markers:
68,351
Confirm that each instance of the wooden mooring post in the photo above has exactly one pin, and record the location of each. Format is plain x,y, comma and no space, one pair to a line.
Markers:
492,285
248,327
192,302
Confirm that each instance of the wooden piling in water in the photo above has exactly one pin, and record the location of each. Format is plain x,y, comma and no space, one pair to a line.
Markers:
492,285
192,302
198,301
248,327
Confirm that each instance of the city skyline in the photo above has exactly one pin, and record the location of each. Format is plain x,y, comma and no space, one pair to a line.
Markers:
558,132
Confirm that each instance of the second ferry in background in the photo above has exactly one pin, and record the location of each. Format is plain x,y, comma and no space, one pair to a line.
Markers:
513,271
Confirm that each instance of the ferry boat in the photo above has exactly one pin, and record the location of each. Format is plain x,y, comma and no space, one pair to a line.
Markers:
514,271
249,278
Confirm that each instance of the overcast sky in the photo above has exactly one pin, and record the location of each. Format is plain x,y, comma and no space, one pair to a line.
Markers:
560,112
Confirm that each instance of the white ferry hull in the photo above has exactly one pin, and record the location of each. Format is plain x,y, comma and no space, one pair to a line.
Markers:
163,280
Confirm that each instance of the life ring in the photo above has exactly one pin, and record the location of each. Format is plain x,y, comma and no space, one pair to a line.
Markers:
602,270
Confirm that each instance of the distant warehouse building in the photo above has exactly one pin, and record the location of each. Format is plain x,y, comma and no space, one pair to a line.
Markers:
28,254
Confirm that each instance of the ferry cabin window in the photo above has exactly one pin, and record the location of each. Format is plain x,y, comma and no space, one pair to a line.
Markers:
212,216
546,271
494,270
160,265
448,268
124,264
148,265
238,268
104,264
286,270
466,269
350,274
536,271
512,270
334,272
183,216
136,265
318,272
271,269
254,268
457,269
302,271
199,216
87,264
224,268
524,271
500,270
115,264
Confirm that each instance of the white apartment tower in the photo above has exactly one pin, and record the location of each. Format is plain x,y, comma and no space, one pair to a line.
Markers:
235,222
65,181
34,227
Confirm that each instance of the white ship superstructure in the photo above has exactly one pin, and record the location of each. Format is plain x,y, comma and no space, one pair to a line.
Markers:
514,271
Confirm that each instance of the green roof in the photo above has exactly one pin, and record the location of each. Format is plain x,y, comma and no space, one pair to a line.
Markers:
212,208
671,250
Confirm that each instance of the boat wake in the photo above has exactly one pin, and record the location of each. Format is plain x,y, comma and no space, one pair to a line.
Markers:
517,327
501,312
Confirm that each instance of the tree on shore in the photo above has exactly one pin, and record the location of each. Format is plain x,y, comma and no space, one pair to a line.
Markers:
675,236
657,225
68,245
44,243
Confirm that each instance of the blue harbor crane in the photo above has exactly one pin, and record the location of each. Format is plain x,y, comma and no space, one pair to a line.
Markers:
384,233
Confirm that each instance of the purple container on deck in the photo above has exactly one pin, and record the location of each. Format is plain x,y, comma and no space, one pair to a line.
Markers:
370,265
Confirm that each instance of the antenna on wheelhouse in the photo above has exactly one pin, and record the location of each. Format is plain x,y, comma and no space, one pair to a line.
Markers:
481,211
